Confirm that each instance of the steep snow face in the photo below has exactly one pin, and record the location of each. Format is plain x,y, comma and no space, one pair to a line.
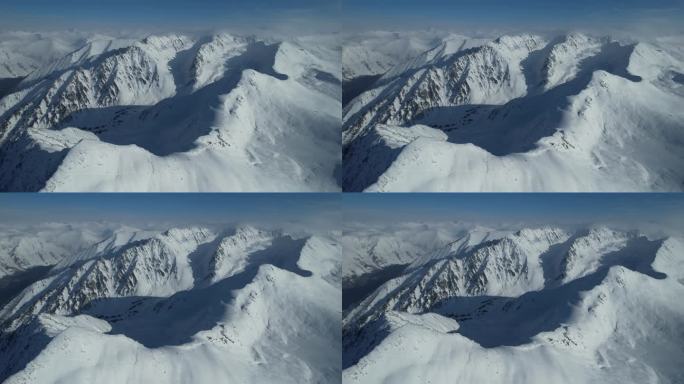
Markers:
232,254
375,254
172,113
488,74
521,113
508,266
536,305
115,240
171,304
209,63
158,266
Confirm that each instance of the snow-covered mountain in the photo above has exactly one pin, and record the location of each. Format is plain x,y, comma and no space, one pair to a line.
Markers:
522,113
22,53
374,254
537,305
177,113
185,305
368,56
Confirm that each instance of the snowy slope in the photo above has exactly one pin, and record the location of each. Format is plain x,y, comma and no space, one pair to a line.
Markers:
175,113
167,309
539,305
523,113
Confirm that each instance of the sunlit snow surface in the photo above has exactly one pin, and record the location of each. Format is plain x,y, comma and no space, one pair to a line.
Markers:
177,113
185,305
537,305
517,113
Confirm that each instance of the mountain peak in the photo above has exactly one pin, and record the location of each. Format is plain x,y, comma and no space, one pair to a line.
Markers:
184,234
524,41
181,231
247,230
174,42
540,233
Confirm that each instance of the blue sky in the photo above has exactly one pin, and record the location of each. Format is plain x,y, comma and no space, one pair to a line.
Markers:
533,208
354,14
166,14
525,14
132,208
327,211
